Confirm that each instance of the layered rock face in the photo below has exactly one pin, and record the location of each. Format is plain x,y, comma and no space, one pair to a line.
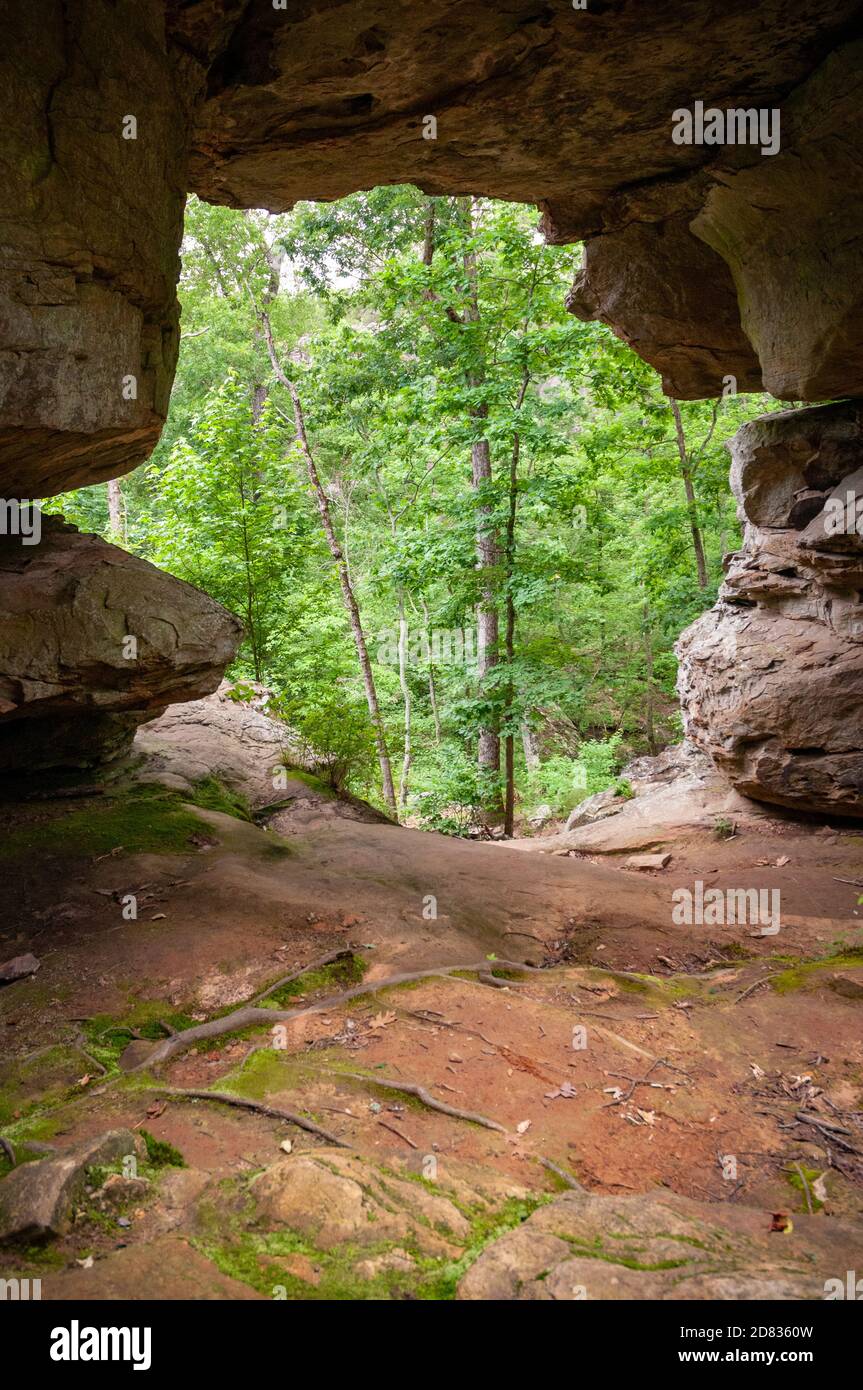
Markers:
771,679
725,265
95,119
92,643
112,109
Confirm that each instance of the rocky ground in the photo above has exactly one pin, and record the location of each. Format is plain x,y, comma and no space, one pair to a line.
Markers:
600,1104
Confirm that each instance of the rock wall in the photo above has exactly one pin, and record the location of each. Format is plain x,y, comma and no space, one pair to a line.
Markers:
713,261
771,679
90,227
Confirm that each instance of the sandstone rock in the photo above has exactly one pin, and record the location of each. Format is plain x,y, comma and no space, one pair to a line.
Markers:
397,1260
682,318
18,968
90,228
676,792
216,737
118,1192
659,1246
165,1268
68,694
800,295
251,106
135,1053
335,1197
778,457
595,807
847,987
771,679
36,1199
647,861
676,242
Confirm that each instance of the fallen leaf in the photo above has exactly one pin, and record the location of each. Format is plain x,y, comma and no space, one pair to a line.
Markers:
781,1221
819,1189
383,1020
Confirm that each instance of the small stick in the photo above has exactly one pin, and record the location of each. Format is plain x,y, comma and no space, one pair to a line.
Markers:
392,1129
805,1187
752,988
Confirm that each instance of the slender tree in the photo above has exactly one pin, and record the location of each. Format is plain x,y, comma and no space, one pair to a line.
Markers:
350,602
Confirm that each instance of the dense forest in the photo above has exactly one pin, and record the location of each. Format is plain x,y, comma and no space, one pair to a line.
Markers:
462,529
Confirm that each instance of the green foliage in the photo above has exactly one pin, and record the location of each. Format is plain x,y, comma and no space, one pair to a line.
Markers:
451,794
403,368
335,736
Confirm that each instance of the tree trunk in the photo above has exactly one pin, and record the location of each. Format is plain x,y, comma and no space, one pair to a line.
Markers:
406,696
509,801
115,510
691,503
530,744
487,545
348,596
432,685
649,721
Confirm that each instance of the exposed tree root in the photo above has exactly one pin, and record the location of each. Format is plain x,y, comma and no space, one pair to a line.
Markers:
563,1175
342,954
260,1107
249,1014
410,1088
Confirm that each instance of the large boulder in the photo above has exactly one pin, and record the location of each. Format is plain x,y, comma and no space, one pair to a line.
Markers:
223,736
771,678
37,1200
334,1198
93,642
658,1246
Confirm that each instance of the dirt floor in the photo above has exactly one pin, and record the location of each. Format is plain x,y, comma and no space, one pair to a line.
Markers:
643,1055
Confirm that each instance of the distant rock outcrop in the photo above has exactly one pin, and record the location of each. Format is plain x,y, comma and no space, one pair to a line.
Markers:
771,679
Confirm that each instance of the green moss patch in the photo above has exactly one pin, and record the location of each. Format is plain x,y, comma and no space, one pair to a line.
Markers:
801,972
337,977
160,1153
142,822
212,795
